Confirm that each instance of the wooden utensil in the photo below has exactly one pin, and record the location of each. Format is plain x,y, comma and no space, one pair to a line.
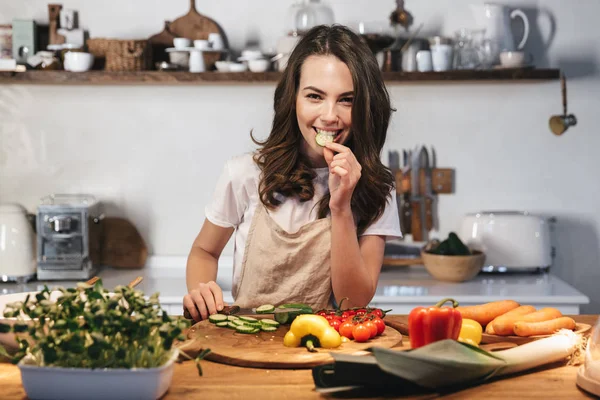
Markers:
123,246
160,43
135,282
53,24
92,280
266,349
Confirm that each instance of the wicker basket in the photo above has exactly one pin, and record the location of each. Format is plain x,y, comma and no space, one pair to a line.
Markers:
122,55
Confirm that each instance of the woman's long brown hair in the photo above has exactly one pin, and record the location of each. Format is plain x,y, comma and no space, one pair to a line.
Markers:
287,171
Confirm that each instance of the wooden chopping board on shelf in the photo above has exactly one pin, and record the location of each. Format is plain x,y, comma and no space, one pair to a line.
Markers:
266,349
196,26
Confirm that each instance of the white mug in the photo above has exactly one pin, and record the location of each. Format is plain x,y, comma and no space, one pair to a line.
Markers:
441,57
424,62
202,44
197,61
181,43
216,41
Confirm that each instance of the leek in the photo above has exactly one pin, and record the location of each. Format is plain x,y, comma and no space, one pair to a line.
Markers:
449,363
534,354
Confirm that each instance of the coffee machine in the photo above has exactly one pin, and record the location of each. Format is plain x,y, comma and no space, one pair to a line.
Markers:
69,237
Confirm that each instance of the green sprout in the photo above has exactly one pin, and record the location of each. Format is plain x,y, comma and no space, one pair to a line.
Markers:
90,327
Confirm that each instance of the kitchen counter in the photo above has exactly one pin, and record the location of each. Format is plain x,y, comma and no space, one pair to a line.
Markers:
400,288
220,381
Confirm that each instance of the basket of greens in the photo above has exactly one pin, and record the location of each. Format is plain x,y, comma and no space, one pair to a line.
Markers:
91,343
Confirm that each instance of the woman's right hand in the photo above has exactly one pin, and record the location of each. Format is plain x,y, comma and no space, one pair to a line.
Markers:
203,301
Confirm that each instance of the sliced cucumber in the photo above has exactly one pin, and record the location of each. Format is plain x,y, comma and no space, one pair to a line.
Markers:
268,328
224,324
217,318
265,309
249,319
269,322
324,138
238,322
231,325
232,318
246,329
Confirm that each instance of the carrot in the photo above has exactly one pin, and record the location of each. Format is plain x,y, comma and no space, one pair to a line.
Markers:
484,313
549,327
521,310
504,326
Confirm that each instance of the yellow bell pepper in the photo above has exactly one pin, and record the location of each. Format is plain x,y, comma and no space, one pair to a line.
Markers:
470,332
312,331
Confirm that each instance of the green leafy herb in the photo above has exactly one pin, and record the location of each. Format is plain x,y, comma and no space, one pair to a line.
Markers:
90,327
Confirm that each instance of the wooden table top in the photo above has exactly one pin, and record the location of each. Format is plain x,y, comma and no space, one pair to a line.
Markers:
221,381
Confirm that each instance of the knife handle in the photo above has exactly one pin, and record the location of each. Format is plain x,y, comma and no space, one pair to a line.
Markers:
405,213
428,213
415,221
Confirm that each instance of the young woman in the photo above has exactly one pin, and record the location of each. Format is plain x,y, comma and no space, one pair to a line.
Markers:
310,222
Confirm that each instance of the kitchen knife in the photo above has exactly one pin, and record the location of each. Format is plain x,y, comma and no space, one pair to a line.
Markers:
236,310
405,203
394,165
416,200
428,194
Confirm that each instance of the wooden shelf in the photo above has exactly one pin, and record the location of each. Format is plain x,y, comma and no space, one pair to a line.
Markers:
188,78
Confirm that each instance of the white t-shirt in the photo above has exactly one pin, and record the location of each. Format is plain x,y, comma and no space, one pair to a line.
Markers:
236,197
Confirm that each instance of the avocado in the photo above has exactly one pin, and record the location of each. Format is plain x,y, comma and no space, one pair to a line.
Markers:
452,246
457,247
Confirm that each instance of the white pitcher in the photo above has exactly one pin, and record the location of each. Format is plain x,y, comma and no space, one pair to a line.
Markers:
496,20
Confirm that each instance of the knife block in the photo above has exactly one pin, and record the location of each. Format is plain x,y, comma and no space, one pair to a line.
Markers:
442,181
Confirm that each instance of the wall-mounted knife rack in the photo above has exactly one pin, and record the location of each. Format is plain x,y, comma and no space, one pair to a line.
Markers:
442,181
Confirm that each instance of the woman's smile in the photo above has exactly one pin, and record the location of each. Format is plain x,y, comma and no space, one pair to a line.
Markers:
324,104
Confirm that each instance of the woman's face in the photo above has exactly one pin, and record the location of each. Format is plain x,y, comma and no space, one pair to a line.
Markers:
324,103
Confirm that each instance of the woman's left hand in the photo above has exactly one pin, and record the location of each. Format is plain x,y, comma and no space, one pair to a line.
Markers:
344,173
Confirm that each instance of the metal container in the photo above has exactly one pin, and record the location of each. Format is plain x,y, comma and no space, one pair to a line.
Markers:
69,237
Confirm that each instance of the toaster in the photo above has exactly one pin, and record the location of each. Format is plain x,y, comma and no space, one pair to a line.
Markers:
513,241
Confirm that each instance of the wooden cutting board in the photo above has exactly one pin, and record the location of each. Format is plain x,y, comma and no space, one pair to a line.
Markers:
266,349
196,26
123,246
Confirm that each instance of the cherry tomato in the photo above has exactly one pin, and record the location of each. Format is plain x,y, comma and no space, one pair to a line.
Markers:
361,333
335,323
332,317
346,329
379,324
347,314
322,313
372,327
377,312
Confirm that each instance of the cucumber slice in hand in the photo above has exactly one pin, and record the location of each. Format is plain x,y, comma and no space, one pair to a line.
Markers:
323,138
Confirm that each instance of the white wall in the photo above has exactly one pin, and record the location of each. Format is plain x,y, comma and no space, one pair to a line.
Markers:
153,153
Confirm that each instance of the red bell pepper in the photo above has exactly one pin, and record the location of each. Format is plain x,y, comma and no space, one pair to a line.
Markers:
428,325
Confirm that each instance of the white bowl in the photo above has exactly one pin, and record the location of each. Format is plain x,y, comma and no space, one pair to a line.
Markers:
222,66
260,65
181,43
237,67
50,383
78,61
202,44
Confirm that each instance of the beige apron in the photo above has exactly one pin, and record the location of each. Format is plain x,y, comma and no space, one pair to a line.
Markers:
281,267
